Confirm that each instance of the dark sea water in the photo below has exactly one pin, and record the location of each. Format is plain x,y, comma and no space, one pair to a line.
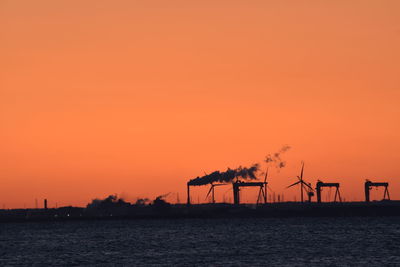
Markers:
228,242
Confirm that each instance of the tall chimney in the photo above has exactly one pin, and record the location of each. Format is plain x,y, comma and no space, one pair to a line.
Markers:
45,204
366,189
188,194
236,194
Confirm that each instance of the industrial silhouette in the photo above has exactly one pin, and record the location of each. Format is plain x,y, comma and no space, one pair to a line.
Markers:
212,191
237,177
238,184
368,185
303,186
223,177
114,207
321,184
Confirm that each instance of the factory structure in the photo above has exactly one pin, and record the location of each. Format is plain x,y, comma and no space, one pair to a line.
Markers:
244,177
236,180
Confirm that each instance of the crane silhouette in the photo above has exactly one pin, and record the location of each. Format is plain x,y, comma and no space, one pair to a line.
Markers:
263,192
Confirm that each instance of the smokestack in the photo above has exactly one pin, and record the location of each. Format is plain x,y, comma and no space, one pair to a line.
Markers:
366,189
45,204
188,194
236,193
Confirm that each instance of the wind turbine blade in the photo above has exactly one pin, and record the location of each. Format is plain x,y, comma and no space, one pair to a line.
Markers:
302,170
307,185
266,175
209,191
293,184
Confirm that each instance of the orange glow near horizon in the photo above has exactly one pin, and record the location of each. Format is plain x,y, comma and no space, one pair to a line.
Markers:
138,97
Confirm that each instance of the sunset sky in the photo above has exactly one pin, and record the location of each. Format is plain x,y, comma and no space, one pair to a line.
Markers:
138,97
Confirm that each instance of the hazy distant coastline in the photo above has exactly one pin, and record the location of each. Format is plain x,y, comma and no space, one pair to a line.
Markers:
165,210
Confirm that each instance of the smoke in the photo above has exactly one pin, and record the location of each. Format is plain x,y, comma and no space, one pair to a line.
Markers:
228,176
162,197
276,159
110,201
160,203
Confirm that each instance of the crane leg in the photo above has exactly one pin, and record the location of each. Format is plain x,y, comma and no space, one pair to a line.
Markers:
259,195
387,193
264,194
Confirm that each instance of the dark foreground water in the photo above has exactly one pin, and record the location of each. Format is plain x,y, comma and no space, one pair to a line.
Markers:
273,242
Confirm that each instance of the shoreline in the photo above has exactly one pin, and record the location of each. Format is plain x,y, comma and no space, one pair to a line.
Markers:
205,211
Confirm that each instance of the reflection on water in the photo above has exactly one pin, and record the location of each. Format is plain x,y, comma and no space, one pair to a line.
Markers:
294,241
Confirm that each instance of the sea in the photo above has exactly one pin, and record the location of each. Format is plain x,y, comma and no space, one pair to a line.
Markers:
353,241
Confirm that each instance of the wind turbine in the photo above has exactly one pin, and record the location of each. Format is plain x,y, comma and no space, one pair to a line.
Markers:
212,191
302,183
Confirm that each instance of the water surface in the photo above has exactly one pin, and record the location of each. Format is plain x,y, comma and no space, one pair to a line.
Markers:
274,242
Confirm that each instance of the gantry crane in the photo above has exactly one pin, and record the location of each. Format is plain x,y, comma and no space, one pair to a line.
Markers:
238,184
368,186
321,184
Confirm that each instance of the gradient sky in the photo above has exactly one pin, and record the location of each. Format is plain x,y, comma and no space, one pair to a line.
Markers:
137,97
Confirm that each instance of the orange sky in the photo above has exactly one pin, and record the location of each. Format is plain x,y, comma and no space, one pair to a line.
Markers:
137,97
